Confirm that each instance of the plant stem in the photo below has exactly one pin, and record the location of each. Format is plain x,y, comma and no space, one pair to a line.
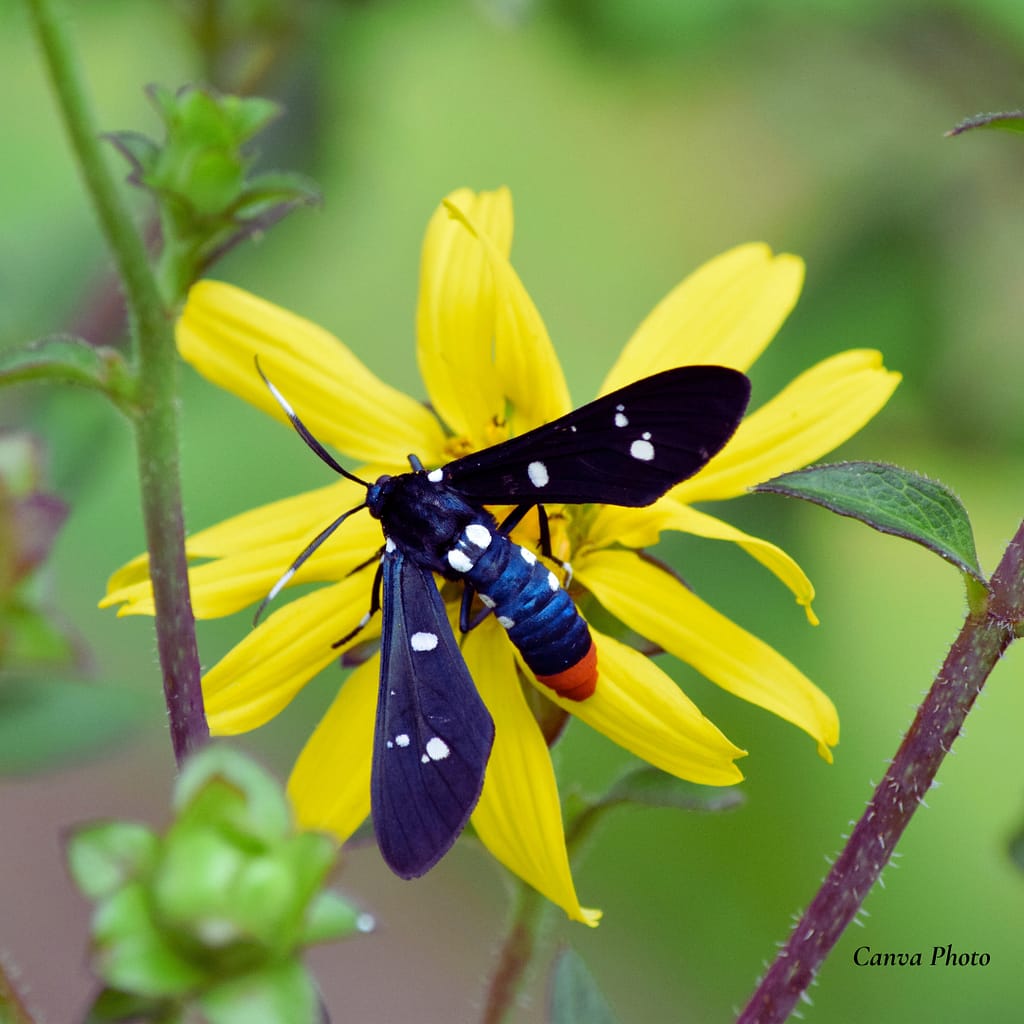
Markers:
516,953
983,639
155,411
12,1007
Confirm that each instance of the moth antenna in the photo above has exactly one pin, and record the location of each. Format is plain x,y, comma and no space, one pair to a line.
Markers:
304,555
303,431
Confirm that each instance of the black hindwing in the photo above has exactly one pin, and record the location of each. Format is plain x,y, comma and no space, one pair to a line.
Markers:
433,734
625,448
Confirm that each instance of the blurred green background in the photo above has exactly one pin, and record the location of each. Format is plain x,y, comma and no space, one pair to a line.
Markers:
639,140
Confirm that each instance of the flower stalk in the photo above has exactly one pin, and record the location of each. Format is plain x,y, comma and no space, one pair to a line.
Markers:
153,410
987,632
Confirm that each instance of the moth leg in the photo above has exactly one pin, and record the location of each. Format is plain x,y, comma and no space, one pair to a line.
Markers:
467,620
375,557
378,577
516,516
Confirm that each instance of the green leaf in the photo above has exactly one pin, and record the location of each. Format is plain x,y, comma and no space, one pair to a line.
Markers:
330,917
653,788
261,809
575,997
132,955
891,500
282,994
1009,121
104,856
112,1005
69,360
32,639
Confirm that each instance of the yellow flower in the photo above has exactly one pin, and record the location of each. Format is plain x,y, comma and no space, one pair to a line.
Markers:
491,372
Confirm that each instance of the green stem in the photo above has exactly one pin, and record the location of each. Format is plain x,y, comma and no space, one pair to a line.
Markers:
983,639
155,411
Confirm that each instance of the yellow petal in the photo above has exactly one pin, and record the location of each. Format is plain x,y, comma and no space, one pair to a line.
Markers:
815,413
641,527
660,608
726,312
330,784
223,328
260,675
295,519
525,359
455,315
642,709
257,548
519,818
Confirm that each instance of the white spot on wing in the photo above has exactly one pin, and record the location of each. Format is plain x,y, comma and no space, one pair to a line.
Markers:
538,474
621,419
423,641
487,602
506,622
528,556
478,534
435,476
642,450
437,749
459,560
389,546
552,581
402,739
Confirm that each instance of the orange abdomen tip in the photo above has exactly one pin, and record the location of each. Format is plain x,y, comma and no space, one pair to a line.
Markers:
577,682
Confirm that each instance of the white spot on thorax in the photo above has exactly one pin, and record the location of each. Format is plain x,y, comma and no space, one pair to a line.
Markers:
487,602
389,546
459,560
552,581
423,641
538,474
506,622
478,534
642,450
435,476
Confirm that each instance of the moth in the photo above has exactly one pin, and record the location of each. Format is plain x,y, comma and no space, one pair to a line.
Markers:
433,733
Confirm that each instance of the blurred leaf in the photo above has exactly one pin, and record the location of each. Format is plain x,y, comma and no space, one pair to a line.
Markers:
107,854
653,788
112,1005
891,500
644,786
575,997
31,639
35,522
281,994
1011,121
332,917
1016,849
46,723
133,955
258,806
68,360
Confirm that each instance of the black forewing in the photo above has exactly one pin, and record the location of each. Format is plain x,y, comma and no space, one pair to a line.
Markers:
625,448
433,735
